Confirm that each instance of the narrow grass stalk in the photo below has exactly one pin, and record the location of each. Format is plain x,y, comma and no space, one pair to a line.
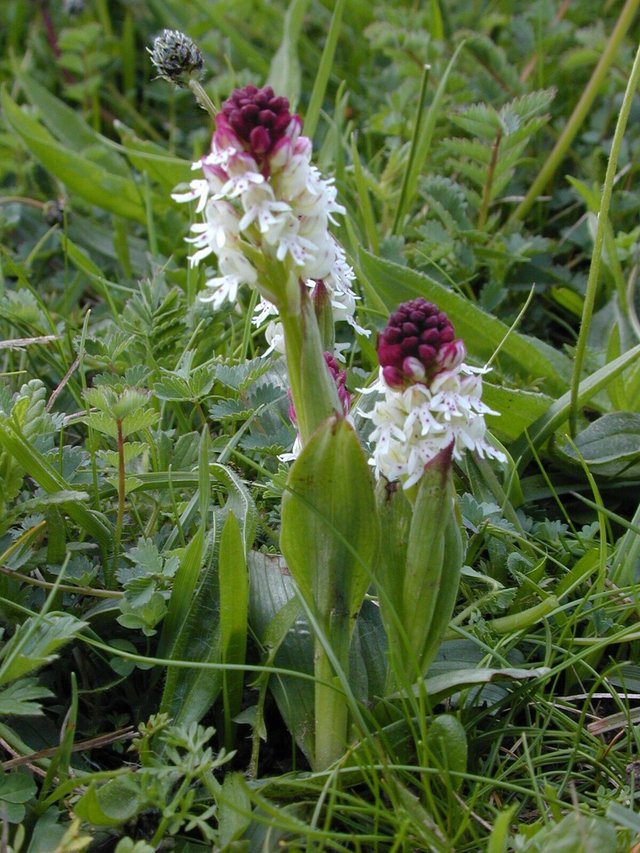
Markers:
366,208
421,140
324,70
402,201
581,109
603,220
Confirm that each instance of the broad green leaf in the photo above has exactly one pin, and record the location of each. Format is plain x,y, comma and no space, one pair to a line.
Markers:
427,562
46,833
16,788
623,816
575,833
188,573
499,838
189,693
517,409
558,412
112,803
276,617
481,332
441,686
88,180
329,524
610,446
284,73
234,807
68,126
447,743
153,159
239,501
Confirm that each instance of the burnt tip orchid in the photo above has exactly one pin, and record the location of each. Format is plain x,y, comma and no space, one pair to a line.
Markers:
431,398
417,342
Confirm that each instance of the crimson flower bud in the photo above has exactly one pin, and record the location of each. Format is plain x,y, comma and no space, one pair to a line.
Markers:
418,342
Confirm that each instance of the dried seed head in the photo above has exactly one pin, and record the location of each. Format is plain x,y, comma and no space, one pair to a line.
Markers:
176,57
73,7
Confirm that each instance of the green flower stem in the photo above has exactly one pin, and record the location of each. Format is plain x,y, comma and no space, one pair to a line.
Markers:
314,393
524,619
331,709
202,98
603,221
581,109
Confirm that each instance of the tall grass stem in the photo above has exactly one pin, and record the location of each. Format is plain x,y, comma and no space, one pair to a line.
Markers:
581,110
596,257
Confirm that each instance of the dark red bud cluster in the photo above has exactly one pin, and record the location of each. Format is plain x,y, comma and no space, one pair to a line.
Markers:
408,347
258,118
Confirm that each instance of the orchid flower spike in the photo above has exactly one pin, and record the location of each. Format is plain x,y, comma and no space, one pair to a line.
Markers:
431,397
266,210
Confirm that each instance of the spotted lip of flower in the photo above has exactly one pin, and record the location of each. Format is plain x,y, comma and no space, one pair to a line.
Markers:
417,343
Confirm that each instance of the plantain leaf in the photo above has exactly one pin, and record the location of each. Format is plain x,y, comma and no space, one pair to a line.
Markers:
87,179
610,446
276,617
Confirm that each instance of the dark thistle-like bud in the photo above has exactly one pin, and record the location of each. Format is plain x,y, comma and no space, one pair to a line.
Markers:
73,7
417,342
176,57
54,211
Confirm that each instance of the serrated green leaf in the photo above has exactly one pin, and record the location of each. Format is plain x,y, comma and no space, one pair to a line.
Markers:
17,699
144,612
35,643
139,421
172,387
102,423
